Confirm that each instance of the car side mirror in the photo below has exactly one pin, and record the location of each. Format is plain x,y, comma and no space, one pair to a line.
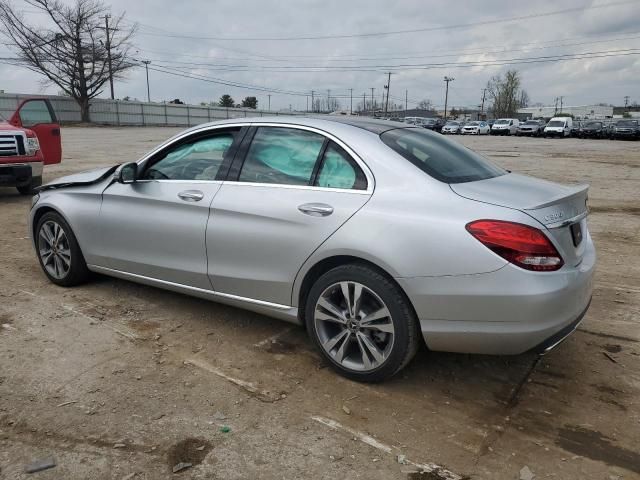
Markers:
126,173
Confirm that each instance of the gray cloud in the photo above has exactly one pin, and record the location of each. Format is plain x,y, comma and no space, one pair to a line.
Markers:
580,81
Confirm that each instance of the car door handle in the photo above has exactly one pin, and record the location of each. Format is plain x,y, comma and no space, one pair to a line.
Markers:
191,195
316,209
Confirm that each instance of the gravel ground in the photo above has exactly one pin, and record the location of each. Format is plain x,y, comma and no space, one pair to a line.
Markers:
114,380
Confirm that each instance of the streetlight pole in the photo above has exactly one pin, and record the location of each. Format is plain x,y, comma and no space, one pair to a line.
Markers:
446,95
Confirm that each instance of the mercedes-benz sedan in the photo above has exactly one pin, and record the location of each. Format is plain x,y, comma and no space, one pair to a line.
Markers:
371,234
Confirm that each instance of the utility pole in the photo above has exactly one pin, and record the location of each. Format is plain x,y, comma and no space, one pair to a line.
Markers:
446,95
328,97
561,104
364,102
146,66
351,101
313,105
108,46
373,110
626,102
269,109
406,102
484,94
307,97
387,87
555,109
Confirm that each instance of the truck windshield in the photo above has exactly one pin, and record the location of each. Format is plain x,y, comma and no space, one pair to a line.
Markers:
439,157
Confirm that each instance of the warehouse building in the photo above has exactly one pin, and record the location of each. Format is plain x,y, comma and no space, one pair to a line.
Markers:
578,112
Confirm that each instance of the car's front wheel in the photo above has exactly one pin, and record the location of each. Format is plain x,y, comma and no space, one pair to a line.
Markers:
58,251
362,323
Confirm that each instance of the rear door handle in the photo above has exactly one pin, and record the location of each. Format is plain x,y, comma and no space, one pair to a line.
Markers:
191,195
316,209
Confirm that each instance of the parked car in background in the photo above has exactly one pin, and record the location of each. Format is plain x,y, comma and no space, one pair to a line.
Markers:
593,130
434,124
452,127
558,127
277,215
505,126
29,140
532,128
475,128
576,127
626,129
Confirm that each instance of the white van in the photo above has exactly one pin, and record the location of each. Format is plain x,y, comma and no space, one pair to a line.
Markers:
558,127
505,126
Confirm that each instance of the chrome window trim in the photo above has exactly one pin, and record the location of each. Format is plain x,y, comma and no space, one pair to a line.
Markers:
298,187
361,163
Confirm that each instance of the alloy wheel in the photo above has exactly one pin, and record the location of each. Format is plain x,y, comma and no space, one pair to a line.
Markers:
54,249
354,326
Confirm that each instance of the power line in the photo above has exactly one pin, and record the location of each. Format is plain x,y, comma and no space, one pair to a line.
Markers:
400,32
422,66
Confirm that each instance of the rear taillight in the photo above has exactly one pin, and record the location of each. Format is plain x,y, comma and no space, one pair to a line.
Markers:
522,245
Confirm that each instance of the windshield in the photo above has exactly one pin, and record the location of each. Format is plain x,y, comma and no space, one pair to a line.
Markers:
627,123
594,125
473,124
443,159
453,124
531,122
556,123
502,121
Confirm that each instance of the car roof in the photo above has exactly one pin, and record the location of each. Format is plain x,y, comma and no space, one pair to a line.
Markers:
365,123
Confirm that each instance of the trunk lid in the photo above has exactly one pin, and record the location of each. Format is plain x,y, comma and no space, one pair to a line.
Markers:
562,209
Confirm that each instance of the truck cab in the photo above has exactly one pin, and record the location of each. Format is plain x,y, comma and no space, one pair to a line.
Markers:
29,140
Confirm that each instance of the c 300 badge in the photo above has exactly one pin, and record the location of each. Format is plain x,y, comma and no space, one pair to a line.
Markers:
552,217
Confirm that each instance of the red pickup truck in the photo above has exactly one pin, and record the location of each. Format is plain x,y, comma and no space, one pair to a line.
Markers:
29,140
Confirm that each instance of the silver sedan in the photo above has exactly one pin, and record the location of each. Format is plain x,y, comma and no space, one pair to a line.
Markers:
371,234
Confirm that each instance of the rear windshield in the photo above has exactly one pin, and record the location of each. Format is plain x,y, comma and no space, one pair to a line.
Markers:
443,159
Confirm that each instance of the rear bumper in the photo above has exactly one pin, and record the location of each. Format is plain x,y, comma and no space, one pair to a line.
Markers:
19,174
505,312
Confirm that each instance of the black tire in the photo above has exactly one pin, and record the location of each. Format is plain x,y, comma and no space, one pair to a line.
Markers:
78,272
406,340
30,188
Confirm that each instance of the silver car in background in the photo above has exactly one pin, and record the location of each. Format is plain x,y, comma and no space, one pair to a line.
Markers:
371,234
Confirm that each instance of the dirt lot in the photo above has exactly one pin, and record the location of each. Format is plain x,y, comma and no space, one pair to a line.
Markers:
119,381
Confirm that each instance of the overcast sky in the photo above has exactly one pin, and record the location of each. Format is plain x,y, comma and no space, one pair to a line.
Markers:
474,32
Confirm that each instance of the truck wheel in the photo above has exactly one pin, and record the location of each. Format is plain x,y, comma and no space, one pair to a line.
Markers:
29,188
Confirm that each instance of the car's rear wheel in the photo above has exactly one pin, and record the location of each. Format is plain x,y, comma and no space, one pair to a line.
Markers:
58,251
362,323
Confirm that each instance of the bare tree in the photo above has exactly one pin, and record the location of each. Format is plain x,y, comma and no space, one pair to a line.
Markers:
506,95
425,105
74,52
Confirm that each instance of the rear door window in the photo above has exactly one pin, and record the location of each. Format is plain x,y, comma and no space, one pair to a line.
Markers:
443,159
282,155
